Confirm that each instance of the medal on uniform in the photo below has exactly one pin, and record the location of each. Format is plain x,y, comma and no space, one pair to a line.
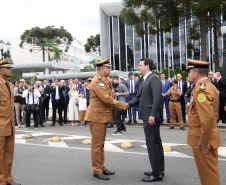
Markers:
2,103
101,84
100,77
202,86
201,97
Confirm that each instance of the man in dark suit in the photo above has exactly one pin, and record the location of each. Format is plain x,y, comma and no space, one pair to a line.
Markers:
133,88
150,111
57,101
66,99
222,98
165,99
77,85
85,89
46,99
183,86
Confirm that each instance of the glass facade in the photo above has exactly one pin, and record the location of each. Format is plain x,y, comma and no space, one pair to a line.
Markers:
126,48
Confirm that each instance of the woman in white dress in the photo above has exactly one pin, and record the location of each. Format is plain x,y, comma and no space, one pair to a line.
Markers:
73,108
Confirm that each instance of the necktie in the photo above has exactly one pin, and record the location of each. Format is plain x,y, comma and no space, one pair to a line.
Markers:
131,86
179,84
7,85
163,83
142,82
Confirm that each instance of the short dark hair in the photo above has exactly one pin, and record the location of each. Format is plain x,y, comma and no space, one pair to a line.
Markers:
44,79
130,73
201,71
148,61
162,73
219,71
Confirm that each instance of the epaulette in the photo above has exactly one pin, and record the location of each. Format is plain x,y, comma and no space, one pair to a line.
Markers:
202,86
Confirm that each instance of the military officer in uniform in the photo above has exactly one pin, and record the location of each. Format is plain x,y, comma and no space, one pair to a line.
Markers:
203,134
7,125
99,114
174,105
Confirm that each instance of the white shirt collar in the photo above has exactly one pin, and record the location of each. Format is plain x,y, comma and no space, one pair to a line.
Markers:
145,76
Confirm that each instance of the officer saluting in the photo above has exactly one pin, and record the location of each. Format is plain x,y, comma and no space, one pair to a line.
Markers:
7,125
99,114
203,134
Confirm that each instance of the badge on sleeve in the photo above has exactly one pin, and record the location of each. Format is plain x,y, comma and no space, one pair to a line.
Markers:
101,84
202,86
201,97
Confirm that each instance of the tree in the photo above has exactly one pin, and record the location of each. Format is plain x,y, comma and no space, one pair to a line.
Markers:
93,44
169,13
43,37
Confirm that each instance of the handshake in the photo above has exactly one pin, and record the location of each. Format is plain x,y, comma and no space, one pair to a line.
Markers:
125,106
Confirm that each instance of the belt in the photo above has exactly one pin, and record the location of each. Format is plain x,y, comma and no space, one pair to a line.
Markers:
175,100
131,93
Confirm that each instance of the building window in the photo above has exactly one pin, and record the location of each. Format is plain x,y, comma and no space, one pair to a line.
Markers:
130,50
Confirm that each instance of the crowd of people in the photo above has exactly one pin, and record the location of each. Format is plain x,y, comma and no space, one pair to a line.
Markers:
70,100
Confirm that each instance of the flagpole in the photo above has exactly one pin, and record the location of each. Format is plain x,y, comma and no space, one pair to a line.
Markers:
168,63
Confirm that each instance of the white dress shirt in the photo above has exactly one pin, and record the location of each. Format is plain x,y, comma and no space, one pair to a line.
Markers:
36,93
145,76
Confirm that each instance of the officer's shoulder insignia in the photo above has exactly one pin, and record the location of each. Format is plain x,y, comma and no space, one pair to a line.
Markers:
202,86
99,77
101,84
201,97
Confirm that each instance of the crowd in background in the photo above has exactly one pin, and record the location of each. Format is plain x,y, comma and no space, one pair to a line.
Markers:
70,100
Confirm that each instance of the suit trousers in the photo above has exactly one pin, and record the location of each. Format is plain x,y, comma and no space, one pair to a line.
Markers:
182,103
28,119
154,147
18,108
98,132
165,101
175,107
65,111
134,107
118,119
45,108
207,165
6,159
57,105
222,114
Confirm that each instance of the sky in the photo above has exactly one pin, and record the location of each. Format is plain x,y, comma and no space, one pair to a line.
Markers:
79,17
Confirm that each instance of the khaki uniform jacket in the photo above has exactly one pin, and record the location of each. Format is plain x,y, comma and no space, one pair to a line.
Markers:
7,125
100,109
203,115
174,94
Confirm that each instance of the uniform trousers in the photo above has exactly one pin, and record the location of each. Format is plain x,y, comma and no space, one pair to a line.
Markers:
207,165
175,107
98,132
6,159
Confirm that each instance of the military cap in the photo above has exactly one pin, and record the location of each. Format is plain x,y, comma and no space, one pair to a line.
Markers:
5,63
104,63
197,64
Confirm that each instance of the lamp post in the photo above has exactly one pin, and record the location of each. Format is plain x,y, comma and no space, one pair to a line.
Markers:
223,31
5,54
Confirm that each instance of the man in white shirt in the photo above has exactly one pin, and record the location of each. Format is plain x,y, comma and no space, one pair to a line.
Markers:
32,96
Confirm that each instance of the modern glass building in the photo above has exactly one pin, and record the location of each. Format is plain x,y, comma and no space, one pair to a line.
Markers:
120,42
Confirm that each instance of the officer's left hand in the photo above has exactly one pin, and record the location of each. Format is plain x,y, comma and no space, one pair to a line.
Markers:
205,148
151,120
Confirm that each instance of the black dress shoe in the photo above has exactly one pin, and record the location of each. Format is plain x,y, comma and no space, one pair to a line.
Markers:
182,128
61,124
42,125
171,127
106,172
168,121
101,176
152,178
65,122
135,121
150,174
53,124
129,121
110,126
14,183
184,120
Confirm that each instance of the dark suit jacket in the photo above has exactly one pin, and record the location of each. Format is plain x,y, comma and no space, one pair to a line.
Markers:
66,97
184,87
149,98
46,91
222,87
53,90
86,94
136,86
